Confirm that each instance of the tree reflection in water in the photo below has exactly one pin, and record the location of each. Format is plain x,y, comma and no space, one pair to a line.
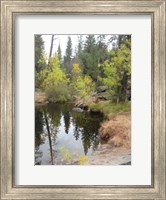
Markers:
57,126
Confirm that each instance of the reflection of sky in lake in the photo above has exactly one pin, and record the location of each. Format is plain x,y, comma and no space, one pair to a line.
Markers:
63,140
74,136
68,140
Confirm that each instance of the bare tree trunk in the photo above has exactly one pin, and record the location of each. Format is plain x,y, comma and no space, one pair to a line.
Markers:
51,47
49,137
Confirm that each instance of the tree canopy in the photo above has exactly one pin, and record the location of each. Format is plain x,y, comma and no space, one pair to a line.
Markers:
98,60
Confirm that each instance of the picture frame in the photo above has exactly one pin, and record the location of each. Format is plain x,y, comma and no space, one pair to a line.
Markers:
9,10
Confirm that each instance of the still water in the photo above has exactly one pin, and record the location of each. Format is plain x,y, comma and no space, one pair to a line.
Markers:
62,136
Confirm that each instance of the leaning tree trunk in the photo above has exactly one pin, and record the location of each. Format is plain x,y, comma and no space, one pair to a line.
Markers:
51,47
49,137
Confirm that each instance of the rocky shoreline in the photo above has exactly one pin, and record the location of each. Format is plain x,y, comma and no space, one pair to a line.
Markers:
108,155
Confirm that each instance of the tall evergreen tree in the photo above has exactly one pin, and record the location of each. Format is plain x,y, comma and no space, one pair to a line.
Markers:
80,43
89,43
102,48
39,48
122,39
68,56
102,53
40,62
59,52
90,57
69,49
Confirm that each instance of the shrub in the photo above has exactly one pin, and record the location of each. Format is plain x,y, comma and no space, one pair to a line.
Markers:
54,81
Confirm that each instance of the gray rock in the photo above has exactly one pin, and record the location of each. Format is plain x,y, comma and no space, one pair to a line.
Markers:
38,162
95,111
79,110
81,105
104,96
86,108
127,163
102,89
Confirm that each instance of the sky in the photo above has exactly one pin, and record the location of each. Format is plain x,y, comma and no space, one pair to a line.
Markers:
59,39
62,40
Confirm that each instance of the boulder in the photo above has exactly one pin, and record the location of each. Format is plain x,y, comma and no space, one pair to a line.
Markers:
104,96
86,107
79,110
102,89
95,111
80,105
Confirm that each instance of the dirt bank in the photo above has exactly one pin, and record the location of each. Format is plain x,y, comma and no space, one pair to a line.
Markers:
40,97
117,131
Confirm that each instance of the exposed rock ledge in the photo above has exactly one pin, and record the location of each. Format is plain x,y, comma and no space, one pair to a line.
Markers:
108,155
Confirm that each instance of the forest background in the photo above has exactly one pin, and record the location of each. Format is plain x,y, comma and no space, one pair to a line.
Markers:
86,69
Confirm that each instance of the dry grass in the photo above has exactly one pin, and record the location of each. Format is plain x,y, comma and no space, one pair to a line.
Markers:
117,130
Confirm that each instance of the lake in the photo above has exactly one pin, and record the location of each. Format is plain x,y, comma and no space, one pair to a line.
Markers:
63,136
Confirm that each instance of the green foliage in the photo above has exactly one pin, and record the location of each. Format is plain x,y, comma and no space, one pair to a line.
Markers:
95,106
110,107
117,71
89,57
93,64
82,84
59,52
82,160
68,55
80,44
72,157
39,57
115,108
54,81
102,49
65,153
69,49
39,48
90,53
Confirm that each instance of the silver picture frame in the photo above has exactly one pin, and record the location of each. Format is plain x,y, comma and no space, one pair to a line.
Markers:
12,8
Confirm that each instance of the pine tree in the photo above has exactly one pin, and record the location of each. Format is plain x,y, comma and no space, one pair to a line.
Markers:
68,56
39,48
40,62
69,49
80,44
90,57
59,52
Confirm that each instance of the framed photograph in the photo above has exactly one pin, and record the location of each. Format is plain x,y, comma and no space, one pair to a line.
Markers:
83,100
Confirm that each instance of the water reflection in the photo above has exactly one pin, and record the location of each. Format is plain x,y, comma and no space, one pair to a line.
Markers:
56,127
